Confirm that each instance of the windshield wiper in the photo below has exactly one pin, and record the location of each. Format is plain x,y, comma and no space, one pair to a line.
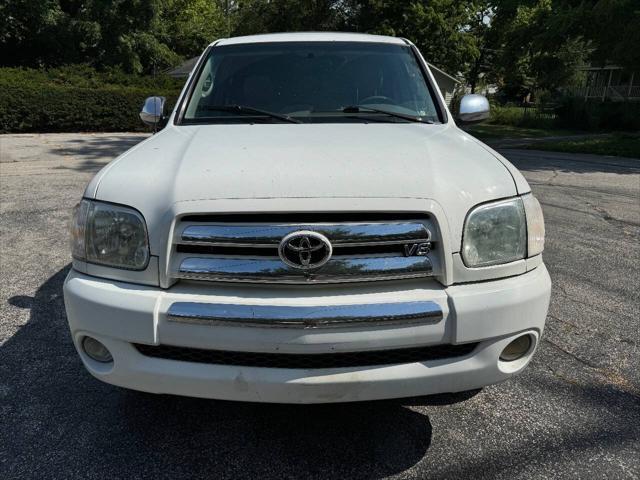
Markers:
247,110
363,109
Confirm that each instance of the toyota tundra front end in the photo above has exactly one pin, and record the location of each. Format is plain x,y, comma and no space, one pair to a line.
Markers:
309,226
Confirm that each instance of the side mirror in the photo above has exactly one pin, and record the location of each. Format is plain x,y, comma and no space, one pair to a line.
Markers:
152,112
473,108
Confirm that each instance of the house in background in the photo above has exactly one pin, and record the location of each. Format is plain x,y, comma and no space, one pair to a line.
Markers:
610,82
183,70
447,83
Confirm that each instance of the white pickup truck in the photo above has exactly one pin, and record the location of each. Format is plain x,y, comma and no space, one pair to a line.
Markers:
309,225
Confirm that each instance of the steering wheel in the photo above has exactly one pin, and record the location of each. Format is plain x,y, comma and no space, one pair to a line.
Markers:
378,99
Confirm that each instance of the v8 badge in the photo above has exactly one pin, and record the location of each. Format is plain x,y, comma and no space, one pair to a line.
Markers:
417,249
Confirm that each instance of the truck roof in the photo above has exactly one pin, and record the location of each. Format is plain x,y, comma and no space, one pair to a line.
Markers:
310,37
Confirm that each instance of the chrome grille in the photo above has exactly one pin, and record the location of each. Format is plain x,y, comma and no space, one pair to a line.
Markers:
248,251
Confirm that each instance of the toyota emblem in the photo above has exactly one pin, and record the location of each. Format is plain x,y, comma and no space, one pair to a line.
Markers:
305,249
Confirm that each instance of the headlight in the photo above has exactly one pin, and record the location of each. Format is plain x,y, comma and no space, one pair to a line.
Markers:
495,233
503,231
110,235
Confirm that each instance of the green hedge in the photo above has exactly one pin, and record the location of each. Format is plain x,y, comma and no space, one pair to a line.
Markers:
517,116
572,113
77,100
596,115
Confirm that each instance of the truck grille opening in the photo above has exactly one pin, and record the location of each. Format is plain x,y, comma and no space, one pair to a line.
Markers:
245,247
307,361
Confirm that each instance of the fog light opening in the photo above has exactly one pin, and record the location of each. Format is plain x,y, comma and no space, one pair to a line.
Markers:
96,350
516,349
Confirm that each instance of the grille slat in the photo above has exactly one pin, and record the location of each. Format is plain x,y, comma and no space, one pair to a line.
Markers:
307,361
394,249
367,233
338,269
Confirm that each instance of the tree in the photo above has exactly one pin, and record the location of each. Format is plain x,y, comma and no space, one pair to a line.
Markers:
614,29
438,27
138,36
520,45
482,54
29,31
538,44
260,16
190,25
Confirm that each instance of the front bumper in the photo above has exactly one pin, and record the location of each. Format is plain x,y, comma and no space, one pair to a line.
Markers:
492,313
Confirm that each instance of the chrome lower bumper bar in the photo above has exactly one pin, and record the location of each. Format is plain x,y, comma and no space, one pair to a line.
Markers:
306,317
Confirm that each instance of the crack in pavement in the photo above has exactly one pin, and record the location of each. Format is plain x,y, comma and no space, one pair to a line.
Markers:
603,335
564,293
611,220
634,195
605,216
611,376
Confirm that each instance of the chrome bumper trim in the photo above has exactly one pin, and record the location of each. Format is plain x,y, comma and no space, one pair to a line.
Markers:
405,313
338,269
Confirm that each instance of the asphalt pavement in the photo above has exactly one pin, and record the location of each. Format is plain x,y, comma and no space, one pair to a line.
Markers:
573,413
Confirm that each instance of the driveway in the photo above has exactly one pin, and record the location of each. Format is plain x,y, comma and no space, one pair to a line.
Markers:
574,412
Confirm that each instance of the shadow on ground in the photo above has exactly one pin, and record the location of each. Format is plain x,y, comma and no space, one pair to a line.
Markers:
95,151
60,422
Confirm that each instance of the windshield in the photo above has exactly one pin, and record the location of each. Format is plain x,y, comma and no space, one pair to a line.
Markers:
335,82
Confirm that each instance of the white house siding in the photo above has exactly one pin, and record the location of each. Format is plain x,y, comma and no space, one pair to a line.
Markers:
446,83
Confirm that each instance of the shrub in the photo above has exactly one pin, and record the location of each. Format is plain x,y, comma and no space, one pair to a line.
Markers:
77,98
575,112
532,117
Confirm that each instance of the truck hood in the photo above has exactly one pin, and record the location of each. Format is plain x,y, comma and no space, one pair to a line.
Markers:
375,160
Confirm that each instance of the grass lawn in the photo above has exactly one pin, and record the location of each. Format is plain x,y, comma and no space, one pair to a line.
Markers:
492,131
616,144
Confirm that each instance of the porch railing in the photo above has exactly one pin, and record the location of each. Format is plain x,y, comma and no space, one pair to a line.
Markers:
612,92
